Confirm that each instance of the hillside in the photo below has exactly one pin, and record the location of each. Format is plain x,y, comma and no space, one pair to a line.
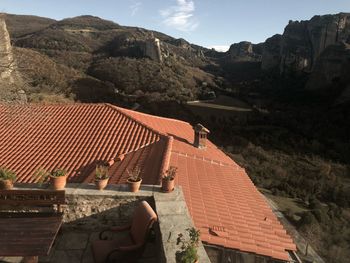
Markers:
123,62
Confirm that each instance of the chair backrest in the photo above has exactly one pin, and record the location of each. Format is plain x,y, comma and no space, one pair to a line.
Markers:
142,221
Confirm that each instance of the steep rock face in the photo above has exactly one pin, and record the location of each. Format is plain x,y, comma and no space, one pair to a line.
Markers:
271,53
295,48
327,30
331,67
152,49
303,42
243,51
6,56
10,81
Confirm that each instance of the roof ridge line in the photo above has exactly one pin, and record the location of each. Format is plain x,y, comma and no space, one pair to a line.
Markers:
118,109
156,116
233,164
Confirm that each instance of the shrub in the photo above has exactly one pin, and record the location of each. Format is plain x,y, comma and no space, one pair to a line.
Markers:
6,174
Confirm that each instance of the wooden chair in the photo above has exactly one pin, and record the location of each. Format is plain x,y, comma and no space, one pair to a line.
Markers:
127,249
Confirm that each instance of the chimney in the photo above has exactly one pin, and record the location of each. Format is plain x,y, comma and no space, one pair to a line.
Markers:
200,136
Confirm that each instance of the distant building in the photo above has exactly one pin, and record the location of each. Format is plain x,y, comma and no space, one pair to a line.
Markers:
230,212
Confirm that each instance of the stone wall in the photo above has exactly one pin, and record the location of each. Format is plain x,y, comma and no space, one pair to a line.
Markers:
100,210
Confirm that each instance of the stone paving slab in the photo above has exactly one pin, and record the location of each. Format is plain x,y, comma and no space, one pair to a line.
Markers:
73,241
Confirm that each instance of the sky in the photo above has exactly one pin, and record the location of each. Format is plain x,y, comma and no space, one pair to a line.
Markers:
209,23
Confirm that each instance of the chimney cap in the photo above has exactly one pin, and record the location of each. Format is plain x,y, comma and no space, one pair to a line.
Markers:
200,128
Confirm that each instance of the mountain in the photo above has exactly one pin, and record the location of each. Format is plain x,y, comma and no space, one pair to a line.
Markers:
97,60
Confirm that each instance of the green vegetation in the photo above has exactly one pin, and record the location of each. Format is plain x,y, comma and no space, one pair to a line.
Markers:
101,172
188,252
42,174
6,174
299,153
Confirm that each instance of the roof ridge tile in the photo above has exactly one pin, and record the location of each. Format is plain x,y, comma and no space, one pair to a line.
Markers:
124,112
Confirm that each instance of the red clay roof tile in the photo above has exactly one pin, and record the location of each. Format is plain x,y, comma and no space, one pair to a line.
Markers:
217,191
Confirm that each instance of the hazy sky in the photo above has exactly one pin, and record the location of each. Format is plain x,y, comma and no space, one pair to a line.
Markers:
205,22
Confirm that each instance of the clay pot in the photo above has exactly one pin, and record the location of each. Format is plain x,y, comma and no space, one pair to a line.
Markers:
6,184
58,183
168,185
102,183
134,186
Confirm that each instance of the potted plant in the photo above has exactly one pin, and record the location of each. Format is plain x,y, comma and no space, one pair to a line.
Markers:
134,179
57,177
101,176
188,252
7,177
168,180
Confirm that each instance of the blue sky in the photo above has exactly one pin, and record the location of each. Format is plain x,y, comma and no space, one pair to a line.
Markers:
205,22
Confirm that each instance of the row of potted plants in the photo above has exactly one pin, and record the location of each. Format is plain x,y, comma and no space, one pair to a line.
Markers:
58,178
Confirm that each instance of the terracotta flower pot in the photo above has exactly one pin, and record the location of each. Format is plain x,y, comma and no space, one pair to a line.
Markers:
6,184
168,185
134,186
102,183
58,183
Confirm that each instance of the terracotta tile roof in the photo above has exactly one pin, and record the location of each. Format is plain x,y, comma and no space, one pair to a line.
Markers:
222,200
71,136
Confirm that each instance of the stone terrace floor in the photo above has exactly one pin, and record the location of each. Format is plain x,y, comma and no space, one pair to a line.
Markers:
74,246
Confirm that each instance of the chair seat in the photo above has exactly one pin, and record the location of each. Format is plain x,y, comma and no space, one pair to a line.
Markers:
101,248
134,243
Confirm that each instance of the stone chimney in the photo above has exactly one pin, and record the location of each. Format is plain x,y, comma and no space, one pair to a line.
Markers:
200,136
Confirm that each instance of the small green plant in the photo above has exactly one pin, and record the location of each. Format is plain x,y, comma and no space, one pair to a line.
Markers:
42,174
6,174
134,174
101,172
58,172
170,173
188,253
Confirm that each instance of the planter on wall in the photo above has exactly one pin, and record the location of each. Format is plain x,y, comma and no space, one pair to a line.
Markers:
58,183
6,184
102,183
168,185
134,186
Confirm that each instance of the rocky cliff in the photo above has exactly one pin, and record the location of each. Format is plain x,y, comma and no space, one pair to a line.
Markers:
271,53
10,80
244,51
303,42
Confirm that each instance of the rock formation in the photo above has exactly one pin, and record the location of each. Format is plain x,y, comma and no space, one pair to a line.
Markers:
240,50
10,80
152,49
7,64
271,53
331,67
303,42
244,51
